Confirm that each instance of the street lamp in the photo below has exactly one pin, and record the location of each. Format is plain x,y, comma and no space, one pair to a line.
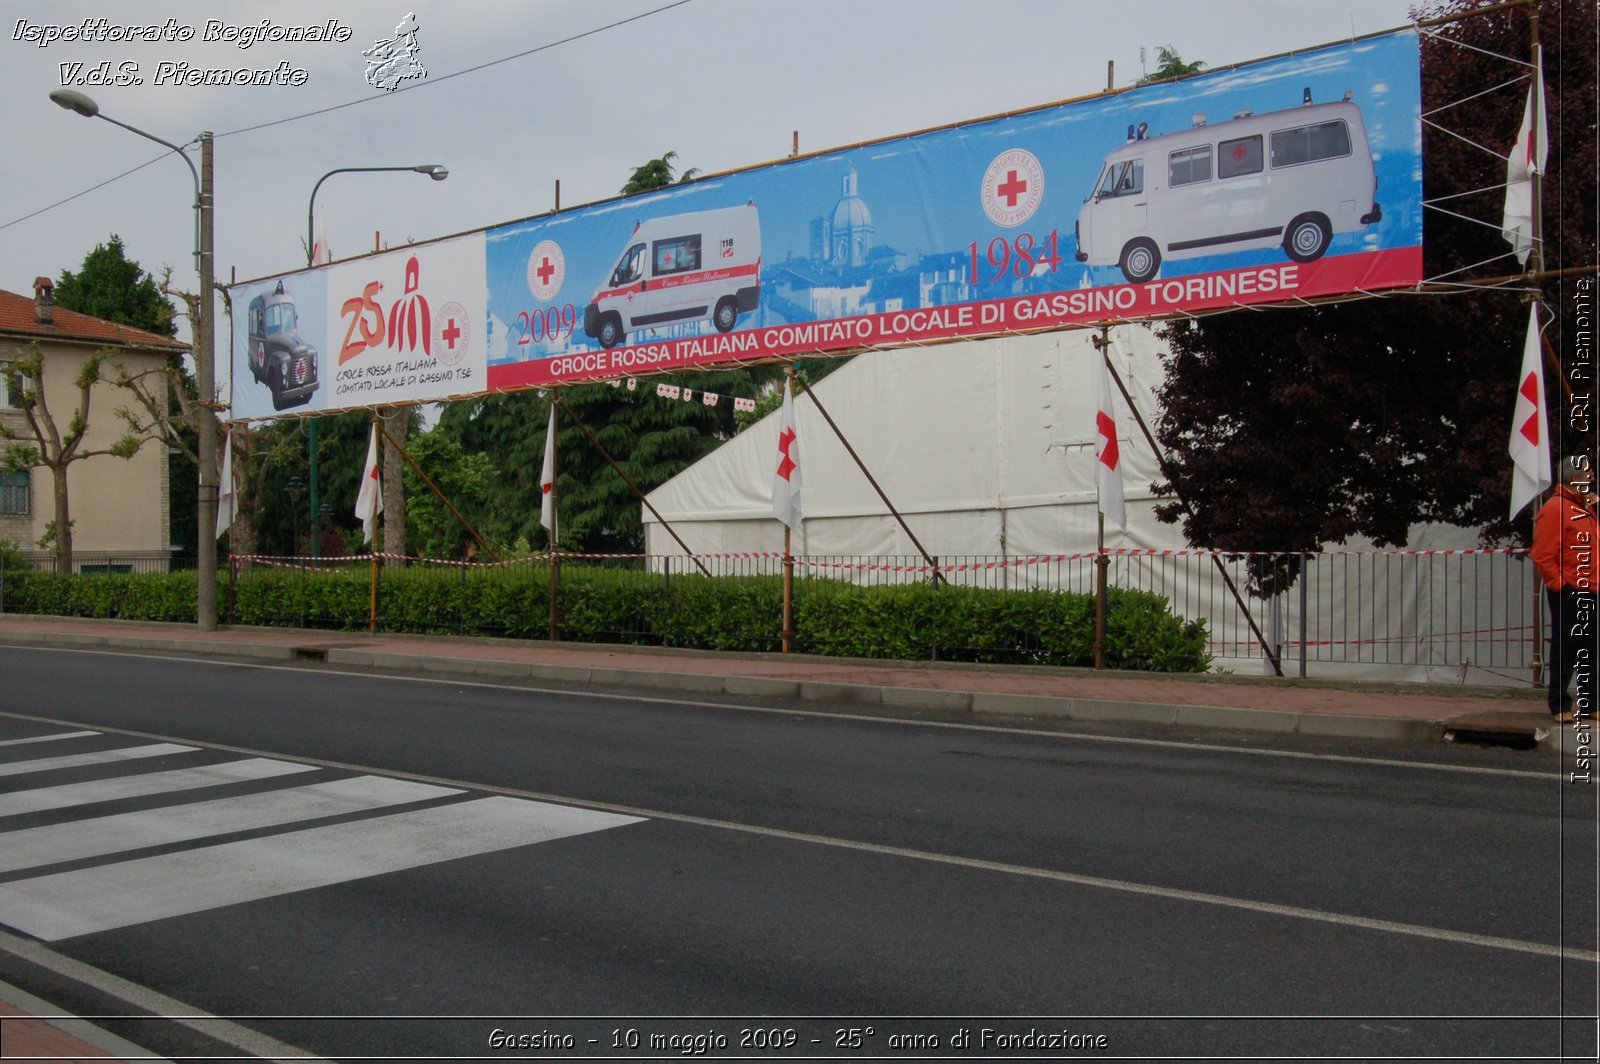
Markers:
205,366
433,170
296,488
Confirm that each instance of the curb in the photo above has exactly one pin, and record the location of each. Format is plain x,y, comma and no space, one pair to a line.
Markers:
265,652
43,1028
1568,741
977,702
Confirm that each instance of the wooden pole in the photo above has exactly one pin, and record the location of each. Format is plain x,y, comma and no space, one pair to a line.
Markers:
372,615
555,526
788,589
1101,563
1536,267
788,563
1536,260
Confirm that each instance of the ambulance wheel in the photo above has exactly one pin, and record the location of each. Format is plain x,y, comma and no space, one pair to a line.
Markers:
611,333
1307,237
275,383
726,316
1140,260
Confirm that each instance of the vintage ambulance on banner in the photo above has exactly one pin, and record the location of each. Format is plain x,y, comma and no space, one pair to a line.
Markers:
279,356
681,268
1292,178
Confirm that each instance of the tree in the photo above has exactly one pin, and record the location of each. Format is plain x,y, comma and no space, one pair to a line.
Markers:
1293,428
167,407
113,287
1171,66
464,478
47,443
267,458
397,424
110,286
650,437
508,429
657,173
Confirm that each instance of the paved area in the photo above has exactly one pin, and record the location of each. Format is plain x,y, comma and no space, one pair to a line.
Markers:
57,1037
1398,712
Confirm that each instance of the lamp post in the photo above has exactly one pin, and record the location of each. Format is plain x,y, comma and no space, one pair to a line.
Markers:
296,488
433,170
205,366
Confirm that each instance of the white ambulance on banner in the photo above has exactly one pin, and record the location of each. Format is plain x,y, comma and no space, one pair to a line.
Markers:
1291,178
681,268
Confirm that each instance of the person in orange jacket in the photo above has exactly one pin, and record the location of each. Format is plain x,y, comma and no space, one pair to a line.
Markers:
1565,538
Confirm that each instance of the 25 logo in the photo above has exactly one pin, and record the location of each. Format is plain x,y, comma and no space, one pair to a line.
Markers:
409,321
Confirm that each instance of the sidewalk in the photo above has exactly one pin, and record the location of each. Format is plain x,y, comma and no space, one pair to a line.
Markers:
1397,712
25,1037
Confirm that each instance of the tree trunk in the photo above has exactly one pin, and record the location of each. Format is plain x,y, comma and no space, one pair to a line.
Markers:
246,494
63,520
395,422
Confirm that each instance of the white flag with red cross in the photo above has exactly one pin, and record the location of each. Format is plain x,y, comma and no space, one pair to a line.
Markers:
1108,455
369,500
320,255
1530,436
547,478
226,496
786,481
1527,158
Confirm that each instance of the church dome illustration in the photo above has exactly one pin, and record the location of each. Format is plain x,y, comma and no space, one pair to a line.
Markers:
851,226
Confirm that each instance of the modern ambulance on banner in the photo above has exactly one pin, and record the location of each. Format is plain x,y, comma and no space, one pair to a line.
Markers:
1290,178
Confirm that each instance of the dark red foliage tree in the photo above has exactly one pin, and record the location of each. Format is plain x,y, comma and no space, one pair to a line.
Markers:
1286,429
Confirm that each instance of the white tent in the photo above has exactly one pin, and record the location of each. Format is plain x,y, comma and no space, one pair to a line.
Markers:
987,449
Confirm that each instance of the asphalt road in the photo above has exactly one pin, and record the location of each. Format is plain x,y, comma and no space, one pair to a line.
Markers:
360,865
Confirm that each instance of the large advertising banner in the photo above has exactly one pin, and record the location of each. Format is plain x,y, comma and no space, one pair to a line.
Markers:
1291,178
1295,177
399,327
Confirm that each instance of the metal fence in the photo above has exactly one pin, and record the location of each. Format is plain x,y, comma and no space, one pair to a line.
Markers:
1467,615
1475,612
101,562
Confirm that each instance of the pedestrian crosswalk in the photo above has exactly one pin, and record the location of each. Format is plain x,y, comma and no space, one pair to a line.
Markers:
186,848
99,757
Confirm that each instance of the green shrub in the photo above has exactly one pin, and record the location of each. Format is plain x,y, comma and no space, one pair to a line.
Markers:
721,613
600,604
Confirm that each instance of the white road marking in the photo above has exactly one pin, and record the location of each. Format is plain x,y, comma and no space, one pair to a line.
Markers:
633,814
116,895
143,999
68,795
100,757
48,738
124,832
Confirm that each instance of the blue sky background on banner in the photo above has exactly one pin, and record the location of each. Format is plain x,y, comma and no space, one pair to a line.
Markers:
923,192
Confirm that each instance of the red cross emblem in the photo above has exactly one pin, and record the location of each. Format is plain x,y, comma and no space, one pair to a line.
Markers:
785,441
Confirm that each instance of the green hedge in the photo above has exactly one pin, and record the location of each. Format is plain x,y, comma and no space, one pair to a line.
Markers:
608,605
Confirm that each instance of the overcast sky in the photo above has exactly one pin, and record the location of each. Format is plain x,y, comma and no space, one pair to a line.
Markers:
723,83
